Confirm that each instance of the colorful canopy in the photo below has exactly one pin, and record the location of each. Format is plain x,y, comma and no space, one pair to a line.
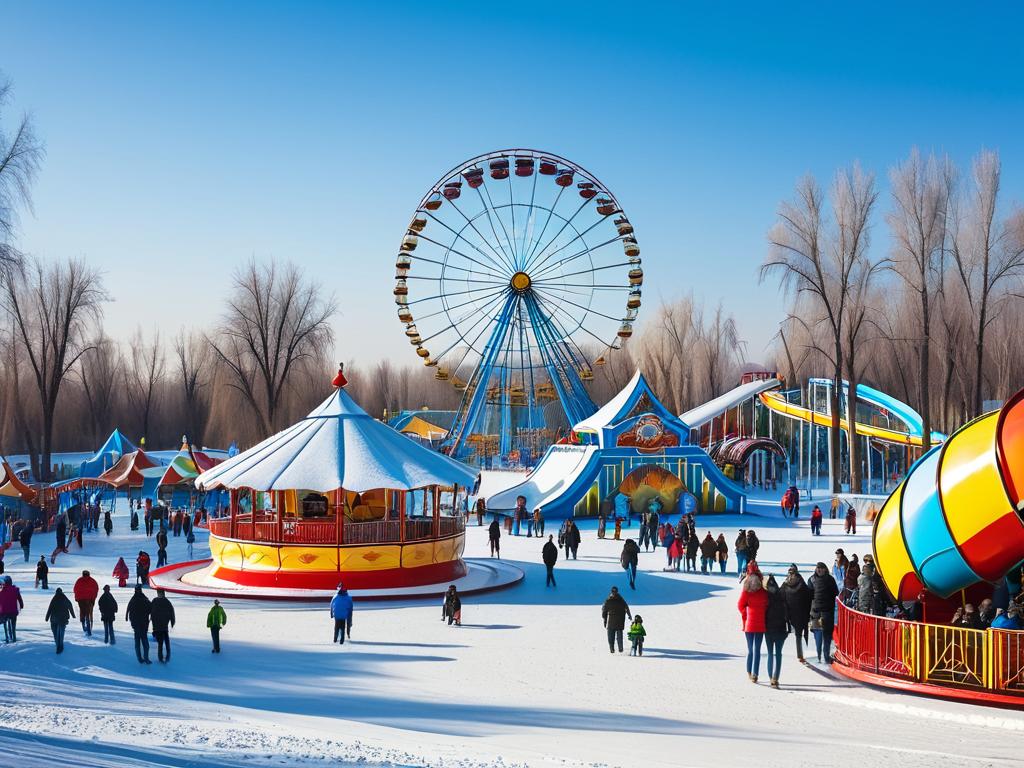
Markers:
128,471
116,446
337,446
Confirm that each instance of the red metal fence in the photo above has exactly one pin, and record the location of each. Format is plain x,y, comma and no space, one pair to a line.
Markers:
295,531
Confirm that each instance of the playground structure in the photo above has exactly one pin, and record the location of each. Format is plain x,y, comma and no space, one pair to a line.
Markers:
337,497
633,451
516,275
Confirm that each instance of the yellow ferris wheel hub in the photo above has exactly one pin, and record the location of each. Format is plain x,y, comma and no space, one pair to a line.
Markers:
520,281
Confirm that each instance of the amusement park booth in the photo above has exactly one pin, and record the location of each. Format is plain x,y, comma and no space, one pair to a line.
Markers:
632,450
339,497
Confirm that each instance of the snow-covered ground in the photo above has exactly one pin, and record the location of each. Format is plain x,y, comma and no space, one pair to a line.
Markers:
527,680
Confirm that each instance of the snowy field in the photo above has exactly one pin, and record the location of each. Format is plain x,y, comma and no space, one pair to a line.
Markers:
526,681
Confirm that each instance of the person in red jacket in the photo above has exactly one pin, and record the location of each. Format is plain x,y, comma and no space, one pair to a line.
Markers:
816,517
753,604
121,572
86,592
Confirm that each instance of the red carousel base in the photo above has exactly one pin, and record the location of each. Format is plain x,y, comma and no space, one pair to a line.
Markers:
390,578
969,695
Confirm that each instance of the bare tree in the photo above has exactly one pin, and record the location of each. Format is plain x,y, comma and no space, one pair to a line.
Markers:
143,376
98,375
817,263
20,156
920,192
275,320
720,348
53,307
989,256
193,365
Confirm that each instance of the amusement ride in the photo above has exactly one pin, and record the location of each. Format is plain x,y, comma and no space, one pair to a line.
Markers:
518,272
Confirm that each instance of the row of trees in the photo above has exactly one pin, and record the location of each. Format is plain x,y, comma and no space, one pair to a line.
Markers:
929,314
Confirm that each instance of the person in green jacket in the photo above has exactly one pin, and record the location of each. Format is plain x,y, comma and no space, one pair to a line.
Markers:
216,619
636,635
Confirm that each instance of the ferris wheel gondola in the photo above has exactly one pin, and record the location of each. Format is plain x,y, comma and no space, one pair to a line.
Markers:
517,269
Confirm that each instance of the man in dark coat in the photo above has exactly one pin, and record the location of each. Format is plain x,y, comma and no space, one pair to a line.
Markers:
161,552
708,547
137,614
629,559
25,539
108,613
162,615
614,613
572,539
59,613
753,544
550,556
823,605
798,606
494,537
740,547
653,520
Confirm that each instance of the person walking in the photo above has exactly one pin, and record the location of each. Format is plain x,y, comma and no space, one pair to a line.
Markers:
42,574
108,524
776,627
538,521
190,540
108,614
839,567
753,604
121,573
11,603
708,548
142,569
25,539
59,612
753,545
494,538
798,607
851,519
134,520
722,551
481,510
614,613
162,616
161,552
572,539
692,546
529,516
341,611
215,621
741,553
823,610
848,594
816,518
147,517
550,556
636,636
137,614
451,608
629,559
86,591
519,513
653,521
644,532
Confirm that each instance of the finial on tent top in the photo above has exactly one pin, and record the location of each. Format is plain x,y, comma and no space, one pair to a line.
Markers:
340,380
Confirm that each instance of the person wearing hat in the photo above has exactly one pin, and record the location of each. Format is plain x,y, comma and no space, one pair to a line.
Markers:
341,612
614,613
216,619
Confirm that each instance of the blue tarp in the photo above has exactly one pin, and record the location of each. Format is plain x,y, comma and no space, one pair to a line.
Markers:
116,446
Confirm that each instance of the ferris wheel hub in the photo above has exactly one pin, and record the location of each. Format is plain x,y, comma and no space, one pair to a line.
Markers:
520,282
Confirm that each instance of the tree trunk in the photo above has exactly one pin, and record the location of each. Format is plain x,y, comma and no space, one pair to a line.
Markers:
851,417
924,362
837,478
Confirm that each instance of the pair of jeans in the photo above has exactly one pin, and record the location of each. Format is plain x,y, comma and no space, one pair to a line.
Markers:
722,563
741,563
817,641
637,648
754,640
551,576
573,549
25,550
161,558
799,643
58,634
518,523
215,634
495,548
614,636
342,627
774,642
163,644
108,632
706,564
142,645
529,528
631,573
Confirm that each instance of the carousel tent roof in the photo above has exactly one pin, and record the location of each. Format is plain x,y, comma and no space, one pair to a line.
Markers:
128,470
182,468
116,446
338,445
12,487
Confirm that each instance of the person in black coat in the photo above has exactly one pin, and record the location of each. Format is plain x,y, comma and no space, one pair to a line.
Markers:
798,607
571,539
25,539
108,614
823,608
628,560
162,616
59,613
550,556
776,627
614,613
494,536
161,552
137,614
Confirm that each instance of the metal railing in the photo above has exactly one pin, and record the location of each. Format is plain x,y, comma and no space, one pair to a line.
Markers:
954,657
324,530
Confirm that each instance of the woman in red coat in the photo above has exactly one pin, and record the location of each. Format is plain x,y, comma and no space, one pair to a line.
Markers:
753,604
121,572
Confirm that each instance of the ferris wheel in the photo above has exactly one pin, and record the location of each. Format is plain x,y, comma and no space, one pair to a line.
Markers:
518,272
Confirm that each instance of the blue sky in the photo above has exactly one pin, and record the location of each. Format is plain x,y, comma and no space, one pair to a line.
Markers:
185,138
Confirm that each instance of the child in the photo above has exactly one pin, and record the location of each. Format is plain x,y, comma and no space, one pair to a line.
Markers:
636,634
618,528
42,573
121,573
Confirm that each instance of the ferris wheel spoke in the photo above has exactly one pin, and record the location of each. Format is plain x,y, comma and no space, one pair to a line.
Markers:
582,272
585,251
470,345
509,261
456,324
555,237
590,333
526,221
579,236
443,295
457,280
547,221
458,235
562,299
416,258
445,309
500,255
566,336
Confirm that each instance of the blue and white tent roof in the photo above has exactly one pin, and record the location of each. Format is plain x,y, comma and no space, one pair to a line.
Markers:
338,445
619,407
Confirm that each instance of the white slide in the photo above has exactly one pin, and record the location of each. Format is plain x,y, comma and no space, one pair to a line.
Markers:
556,471
702,414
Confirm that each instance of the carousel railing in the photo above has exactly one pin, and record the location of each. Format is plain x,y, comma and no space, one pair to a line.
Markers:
953,657
324,530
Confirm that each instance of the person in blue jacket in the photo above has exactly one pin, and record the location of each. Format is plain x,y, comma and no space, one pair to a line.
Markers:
1008,620
341,612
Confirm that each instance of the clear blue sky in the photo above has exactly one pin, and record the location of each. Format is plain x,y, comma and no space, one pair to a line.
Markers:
184,138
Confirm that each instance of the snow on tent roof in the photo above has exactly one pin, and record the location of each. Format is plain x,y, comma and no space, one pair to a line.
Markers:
337,446
116,446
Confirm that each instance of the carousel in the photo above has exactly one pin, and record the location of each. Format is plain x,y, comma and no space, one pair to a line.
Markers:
337,498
